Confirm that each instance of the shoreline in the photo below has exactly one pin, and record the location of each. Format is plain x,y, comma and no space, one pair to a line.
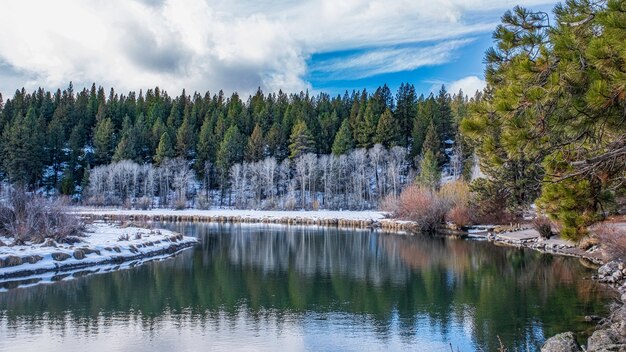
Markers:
102,245
366,219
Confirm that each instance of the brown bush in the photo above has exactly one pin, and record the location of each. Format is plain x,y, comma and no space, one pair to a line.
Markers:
389,204
455,193
422,206
29,217
459,215
612,240
543,225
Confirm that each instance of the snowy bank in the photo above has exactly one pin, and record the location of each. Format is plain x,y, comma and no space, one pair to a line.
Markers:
103,244
353,219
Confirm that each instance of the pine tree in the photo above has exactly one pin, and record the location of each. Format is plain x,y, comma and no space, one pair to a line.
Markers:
405,112
164,150
387,131
206,149
366,128
23,158
429,175
444,115
431,142
185,140
343,139
255,149
125,149
103,141
426,112
230,151
301,140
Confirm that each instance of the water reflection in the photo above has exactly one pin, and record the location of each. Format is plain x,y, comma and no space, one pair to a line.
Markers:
263,287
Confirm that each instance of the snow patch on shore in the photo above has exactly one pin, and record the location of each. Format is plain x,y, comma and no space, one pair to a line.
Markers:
250,214
104,244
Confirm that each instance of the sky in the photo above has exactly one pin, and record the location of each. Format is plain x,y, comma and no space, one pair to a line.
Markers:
208,45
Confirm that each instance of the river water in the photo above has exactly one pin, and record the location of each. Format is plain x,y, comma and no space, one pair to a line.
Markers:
278,288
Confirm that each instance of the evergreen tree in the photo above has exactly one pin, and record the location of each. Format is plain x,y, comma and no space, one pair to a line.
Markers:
230,151
206,149
103,141
444,115
406,110
22,153
301,141
431,142
387,131
366,128
426,115
255,149
343,139
185,140
164,150
429,175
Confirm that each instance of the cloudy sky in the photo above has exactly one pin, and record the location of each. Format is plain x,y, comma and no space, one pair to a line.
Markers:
320,45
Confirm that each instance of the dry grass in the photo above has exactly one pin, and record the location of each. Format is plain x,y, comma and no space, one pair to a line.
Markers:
29,217
455,193
613,241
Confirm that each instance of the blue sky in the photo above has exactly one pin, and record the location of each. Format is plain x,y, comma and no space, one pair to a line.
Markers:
200,45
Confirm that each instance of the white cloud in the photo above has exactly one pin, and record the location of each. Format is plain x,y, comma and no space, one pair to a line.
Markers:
225,44
374,62
469,85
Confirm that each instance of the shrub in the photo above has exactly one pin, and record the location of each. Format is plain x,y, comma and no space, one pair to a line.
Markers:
29,217
456,193
389,204
143,203
180,204
543,225
459,215
422,206
613,241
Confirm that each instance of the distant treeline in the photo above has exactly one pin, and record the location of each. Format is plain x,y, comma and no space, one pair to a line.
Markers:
51,140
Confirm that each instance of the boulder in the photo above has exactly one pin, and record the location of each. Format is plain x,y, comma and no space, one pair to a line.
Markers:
564,342
605,340
79,254
60,256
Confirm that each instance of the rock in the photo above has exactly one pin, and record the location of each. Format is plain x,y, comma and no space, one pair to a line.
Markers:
49,243
564,342
12,261
620,266
32,259
605,340
607,269
617,275
623,298
60,256
79,254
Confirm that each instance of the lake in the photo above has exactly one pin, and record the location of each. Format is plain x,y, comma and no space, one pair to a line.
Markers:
270,287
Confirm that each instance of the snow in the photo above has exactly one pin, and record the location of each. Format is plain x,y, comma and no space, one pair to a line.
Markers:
108,243
244,214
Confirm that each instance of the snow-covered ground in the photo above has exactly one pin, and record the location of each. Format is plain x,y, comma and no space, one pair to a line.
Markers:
244,214
103,244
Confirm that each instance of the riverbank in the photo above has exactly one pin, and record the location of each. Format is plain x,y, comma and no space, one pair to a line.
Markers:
336,218
103,244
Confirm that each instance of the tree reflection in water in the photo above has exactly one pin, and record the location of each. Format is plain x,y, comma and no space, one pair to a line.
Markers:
309,281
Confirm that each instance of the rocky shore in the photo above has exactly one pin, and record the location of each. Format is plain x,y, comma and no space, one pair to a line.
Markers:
102,245
610,334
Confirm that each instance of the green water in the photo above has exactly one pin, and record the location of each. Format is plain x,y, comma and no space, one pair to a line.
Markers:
268,288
